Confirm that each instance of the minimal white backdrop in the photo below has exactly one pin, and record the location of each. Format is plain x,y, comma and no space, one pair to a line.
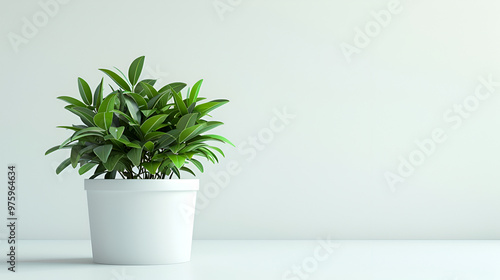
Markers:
358,119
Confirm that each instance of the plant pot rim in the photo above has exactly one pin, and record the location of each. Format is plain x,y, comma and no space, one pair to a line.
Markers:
141,184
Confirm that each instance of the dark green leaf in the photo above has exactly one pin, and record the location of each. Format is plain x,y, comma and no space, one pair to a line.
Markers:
102,152
152,123
176,86
141,102
187,121
135,156
117,79
103,120
72,101
149,146
188,170
108,104
110,164
75,155
194,92
135,70
205,108
197,164
63,165
133,108
86,167
85,92
181,106
149,90
98,94
138,88
191,132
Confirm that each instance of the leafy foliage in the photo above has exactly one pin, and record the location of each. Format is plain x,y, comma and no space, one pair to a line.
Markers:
138,131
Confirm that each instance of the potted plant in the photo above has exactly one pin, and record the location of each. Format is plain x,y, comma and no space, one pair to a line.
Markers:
146,136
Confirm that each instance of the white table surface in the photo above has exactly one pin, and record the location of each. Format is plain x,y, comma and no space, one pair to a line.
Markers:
271,259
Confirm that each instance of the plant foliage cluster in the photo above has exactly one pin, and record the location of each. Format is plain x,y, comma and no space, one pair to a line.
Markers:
139,131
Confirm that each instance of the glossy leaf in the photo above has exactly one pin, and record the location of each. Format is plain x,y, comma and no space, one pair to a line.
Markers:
85,92
108,104
86,167
149,90
178,160
139,88
205,108
103,152
197,164
193,94
63,165
103,120
191,132
152,167
135,69
133,108
98,94
116,132
117,79
187,121
72,101
135,156
152,123
180,103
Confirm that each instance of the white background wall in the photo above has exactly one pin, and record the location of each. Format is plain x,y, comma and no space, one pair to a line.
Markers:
321,171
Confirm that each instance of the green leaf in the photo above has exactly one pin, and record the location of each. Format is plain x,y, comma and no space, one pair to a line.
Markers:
135,156
152,123
63,165
154,135
151,166
139,88
176,86
85,92
181,106
117,79
116,131
168,138
75,155
154,101
149,90
178,160
176,148
141,102
110,164
211,125
216,137
74,128
188,170
110,174
135,69
72,101
191,132
187,121
98,94
86,115
148,113
124,117
102,152
133,108
197,164
205,108
86,167
108,104
217,149
149,146
103,120
129,144
55,148
194,92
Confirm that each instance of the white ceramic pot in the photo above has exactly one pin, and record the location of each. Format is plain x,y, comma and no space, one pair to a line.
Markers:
141,221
